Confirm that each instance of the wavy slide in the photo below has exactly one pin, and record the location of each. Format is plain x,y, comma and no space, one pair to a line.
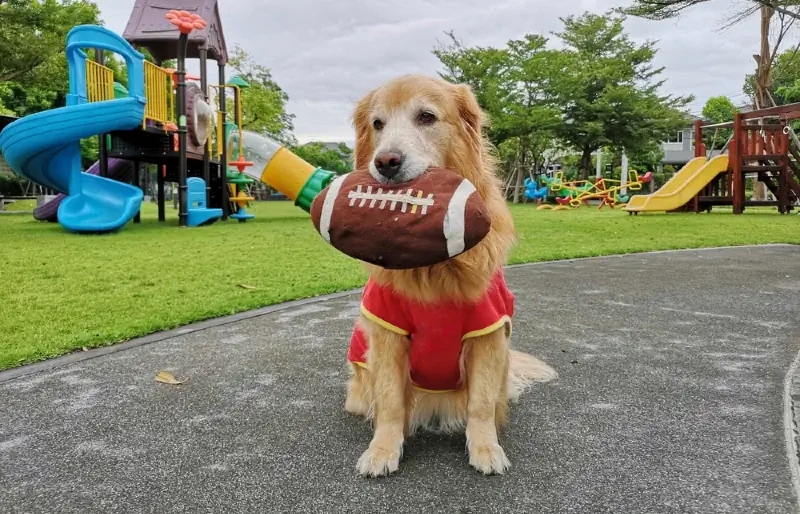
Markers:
118,169
687,182
45,147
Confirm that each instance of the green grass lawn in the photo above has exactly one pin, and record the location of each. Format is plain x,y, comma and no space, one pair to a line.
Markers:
21,205
61,292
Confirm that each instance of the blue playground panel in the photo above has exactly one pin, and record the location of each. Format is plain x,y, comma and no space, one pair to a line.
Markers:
199,213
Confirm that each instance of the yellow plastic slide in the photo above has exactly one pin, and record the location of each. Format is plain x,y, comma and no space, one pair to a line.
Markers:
681,188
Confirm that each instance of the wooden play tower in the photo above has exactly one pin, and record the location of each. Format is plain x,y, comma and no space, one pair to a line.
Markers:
763,146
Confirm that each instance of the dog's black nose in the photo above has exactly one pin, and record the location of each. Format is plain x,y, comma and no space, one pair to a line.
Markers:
388,163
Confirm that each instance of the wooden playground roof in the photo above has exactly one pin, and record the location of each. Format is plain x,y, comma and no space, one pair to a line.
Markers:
147,27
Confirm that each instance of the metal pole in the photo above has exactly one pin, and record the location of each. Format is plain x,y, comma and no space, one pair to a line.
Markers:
599,171
623,179
206,155
138,183
223,161
183,213
160,197
102,151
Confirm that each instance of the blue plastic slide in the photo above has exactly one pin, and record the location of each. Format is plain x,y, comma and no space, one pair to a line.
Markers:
45,147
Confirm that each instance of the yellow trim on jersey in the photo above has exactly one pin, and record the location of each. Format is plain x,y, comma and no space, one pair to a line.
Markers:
385,324
488,330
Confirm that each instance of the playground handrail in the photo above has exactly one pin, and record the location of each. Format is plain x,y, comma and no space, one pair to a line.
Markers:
94,36
158,91
99,82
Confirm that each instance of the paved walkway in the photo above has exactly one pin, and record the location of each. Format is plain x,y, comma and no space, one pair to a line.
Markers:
670,399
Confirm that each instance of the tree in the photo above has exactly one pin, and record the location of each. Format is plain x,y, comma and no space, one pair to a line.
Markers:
33,32
607,91
264,102
787,11
785,71
338,160
33,70
512,85
667,9
718,109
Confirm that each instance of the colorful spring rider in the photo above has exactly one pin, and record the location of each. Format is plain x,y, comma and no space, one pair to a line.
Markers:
567,190
534,192
608,191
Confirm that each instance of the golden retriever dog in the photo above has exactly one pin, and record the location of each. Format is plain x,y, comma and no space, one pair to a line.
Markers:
402,128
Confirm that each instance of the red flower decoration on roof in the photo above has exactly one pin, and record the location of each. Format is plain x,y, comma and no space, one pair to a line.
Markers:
185,21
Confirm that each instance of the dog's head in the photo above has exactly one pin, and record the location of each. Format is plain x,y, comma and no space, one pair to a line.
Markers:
414,122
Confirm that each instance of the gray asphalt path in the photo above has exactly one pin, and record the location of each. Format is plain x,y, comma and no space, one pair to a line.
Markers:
670,400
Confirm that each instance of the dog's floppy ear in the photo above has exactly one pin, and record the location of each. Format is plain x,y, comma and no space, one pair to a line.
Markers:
361,123
471,114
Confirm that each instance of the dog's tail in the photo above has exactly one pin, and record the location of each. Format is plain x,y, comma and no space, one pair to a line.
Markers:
524,370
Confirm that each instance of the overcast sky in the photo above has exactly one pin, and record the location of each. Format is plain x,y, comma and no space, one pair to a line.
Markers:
325,53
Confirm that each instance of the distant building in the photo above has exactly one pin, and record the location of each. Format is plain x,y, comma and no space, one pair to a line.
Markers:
679,149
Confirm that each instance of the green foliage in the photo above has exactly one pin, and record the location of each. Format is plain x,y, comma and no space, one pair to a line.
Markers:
658,180
667,9
317,154
89,151
599,90
669,169
511,85
718,109
33,70
785,72
609,92
791,93
264,102
32,32
11,185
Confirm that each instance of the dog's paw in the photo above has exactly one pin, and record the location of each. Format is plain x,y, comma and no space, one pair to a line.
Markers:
356,405
489,459
379,461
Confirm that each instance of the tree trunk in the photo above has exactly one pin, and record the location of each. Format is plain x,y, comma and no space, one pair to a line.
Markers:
586,163
763,83
518,171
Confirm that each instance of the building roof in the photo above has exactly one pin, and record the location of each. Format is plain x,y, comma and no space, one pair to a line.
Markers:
147,27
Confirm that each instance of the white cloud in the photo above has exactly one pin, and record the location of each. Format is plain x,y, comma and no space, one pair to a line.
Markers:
327,53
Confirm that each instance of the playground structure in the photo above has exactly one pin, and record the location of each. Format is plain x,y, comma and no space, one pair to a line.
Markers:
769,152
575,193
159,119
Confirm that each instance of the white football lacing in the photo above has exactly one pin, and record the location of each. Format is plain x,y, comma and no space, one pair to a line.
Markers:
405,199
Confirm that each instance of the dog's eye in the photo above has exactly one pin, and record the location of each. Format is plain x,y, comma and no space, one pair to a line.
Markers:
427,117
378,124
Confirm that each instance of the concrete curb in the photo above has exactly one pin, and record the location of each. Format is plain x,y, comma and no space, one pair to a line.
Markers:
80,356
791,422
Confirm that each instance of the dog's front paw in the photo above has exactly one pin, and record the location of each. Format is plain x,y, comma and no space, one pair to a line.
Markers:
379,461
488,459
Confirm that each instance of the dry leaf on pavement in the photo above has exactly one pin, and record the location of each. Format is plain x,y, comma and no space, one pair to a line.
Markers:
166,377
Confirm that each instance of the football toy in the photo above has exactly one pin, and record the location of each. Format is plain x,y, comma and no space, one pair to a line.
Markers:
425,221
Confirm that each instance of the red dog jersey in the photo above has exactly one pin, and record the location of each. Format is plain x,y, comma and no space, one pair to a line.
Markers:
437,331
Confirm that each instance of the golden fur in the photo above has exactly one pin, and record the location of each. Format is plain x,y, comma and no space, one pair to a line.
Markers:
493,373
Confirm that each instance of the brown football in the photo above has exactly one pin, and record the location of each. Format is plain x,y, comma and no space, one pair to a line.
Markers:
425,221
